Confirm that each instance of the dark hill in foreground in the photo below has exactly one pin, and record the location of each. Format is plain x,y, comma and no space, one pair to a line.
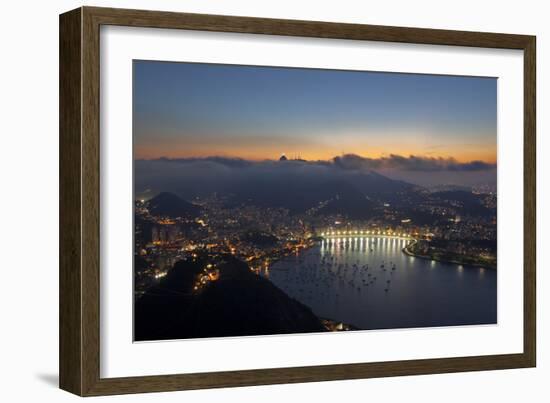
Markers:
240,303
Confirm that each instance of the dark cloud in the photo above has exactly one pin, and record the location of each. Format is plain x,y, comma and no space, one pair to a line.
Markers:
348,162
410,163
230,162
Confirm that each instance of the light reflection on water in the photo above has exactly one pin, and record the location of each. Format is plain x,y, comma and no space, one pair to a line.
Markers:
370,283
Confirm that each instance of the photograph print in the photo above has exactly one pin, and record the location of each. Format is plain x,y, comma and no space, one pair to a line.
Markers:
276,200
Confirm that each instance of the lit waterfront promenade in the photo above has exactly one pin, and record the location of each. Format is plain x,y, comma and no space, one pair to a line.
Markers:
366,234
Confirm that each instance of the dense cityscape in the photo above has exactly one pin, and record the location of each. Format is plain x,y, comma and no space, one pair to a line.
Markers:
169,229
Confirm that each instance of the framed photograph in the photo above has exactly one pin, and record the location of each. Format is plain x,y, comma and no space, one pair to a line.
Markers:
249,201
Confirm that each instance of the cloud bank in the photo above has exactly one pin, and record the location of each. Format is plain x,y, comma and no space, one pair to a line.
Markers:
356,162
202,176
410,163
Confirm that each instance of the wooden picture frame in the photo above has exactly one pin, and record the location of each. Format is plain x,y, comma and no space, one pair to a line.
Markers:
80,199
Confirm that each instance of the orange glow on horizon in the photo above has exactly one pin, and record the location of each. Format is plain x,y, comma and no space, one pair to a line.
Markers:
322,145
258,154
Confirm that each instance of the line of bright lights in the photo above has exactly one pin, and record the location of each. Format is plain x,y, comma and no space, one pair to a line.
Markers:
361,232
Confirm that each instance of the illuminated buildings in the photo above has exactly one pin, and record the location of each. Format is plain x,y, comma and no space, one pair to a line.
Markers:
444,227
165,233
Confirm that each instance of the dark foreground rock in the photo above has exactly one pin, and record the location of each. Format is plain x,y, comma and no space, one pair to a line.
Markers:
239,303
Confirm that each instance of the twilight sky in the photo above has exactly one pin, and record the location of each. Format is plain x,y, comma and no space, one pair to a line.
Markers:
184,110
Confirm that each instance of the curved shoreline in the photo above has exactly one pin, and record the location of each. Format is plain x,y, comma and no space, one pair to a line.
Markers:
407,252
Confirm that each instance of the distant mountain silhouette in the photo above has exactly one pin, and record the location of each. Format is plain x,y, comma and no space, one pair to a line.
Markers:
168,204
353,196
293,184
240,303
377,186
349,202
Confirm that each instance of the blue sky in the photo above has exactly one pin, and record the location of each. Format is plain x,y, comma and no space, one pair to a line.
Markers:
198,110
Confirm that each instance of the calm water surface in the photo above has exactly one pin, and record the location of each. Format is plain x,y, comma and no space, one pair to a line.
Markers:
371,284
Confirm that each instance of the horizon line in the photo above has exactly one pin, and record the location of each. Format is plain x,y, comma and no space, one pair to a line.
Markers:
303,159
